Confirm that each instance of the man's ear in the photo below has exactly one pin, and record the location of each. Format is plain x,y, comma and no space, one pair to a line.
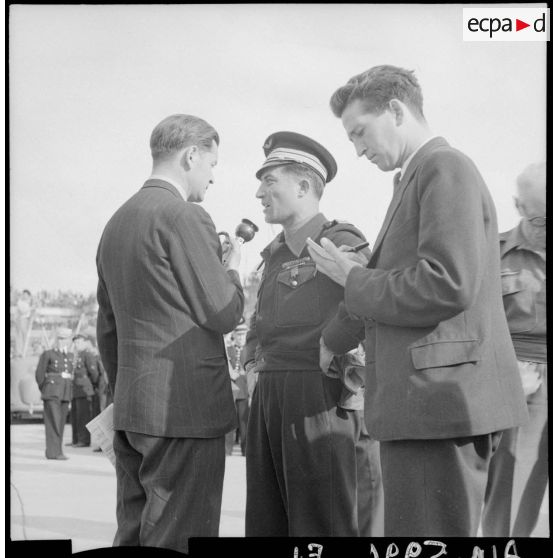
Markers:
303,188
397,108
189,157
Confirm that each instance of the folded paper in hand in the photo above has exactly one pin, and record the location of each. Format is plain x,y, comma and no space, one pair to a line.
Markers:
102,430
349,369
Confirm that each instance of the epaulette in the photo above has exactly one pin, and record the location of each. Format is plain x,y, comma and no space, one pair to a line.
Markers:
330,224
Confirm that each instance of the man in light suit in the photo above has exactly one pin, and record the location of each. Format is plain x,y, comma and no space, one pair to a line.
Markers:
165,301
442,382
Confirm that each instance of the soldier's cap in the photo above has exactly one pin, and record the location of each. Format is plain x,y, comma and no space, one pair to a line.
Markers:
63,333
283,148
78,336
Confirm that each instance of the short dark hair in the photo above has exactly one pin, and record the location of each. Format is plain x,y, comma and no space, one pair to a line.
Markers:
179,131
305,173
376,87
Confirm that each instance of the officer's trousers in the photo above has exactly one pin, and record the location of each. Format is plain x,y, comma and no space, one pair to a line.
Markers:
518,474
80,415
167,489
370,492
301,458
55,413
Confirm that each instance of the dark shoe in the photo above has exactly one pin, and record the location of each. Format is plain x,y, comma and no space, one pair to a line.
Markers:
81,445
59,457
97,449
71,444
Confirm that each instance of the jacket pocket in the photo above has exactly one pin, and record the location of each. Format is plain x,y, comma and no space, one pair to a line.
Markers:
297,301
51,388
445,353
519,301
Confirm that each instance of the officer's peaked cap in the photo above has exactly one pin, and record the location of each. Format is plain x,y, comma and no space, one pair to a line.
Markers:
283,148
64,333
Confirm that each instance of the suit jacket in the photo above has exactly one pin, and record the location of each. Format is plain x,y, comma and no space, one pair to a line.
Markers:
48,374
439,357
165,301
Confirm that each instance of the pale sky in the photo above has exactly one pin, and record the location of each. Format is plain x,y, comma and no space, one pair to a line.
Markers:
89,83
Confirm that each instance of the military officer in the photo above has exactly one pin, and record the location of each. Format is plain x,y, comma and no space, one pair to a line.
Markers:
302,459
86,375
239,387
54,377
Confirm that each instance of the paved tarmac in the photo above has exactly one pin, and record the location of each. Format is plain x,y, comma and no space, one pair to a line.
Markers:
75,499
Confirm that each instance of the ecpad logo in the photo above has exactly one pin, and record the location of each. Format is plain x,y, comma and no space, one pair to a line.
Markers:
506,24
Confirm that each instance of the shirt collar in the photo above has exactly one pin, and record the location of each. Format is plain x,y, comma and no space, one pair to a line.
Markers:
171,182
516,240
297,241
405,165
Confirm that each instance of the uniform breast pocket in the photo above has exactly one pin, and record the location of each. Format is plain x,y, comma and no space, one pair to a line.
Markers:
519,301
297,302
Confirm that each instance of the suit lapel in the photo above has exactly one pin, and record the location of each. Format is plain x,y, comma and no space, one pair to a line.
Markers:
399,190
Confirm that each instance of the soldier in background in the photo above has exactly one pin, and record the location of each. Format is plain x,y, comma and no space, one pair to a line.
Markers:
240,388
101,395
86,375
54,377
518,474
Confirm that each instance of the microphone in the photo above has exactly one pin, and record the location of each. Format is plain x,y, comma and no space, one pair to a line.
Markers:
245,231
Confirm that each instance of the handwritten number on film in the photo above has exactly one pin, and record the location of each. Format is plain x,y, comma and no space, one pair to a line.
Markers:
311,547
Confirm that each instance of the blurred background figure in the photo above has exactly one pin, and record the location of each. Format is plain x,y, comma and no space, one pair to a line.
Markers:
518,474
54,377
239,382
86,376
24,309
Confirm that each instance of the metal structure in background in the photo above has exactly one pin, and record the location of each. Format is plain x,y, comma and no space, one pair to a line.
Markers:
25,396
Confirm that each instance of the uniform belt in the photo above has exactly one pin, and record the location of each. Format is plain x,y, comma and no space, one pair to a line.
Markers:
66,375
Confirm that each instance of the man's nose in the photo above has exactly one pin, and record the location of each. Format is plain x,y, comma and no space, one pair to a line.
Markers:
360,149
259,191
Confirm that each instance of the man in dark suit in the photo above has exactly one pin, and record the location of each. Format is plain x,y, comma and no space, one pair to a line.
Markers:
442,382
86,376
54,377
165,302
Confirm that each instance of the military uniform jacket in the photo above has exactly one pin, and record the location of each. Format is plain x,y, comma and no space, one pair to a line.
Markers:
165,302
295,301
524,291
53,375
86,375
439,357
